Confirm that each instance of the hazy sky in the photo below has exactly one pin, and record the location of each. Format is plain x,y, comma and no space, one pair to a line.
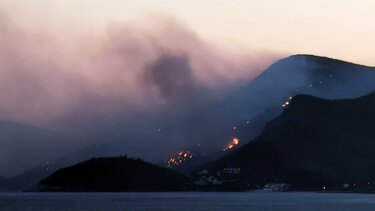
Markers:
336,28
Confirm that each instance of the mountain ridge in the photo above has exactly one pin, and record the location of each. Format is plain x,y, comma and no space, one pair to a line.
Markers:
314,144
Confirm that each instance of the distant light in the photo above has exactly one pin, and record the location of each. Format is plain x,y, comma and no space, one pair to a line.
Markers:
324,187
248,122
234,128
159,129
286,104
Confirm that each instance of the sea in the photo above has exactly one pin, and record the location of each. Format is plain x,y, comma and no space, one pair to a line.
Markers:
188,201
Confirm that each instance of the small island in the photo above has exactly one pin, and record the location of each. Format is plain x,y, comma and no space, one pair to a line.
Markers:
114,175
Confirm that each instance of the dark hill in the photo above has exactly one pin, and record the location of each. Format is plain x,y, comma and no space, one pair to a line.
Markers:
314,144
114,174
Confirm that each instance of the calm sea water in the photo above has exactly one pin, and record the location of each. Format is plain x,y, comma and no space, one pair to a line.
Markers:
186,201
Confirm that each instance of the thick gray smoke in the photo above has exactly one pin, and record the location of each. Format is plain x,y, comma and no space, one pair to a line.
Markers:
114,83
48,78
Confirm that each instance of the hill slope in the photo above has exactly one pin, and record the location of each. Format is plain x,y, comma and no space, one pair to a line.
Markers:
254,104
260,100
315,143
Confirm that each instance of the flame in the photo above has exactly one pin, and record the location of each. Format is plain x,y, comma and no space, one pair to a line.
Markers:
234,143
178,159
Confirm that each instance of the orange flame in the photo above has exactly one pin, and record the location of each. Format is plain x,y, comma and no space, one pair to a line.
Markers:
234,143
179,158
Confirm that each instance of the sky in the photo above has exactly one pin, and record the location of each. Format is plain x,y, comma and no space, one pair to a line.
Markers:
337,28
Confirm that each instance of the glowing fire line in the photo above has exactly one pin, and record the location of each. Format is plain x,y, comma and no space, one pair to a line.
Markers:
179,158
233,144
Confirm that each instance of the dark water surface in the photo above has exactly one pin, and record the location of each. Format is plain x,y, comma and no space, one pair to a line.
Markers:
186,201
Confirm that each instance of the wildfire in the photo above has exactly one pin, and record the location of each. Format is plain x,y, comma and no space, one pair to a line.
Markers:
233,144
180,158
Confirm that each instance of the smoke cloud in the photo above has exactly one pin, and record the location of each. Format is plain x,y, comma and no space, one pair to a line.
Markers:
124,83
58,77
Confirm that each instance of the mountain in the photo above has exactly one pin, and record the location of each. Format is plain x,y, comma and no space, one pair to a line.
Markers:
261,100
24,147
255,103
114,174
245,113
315,144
